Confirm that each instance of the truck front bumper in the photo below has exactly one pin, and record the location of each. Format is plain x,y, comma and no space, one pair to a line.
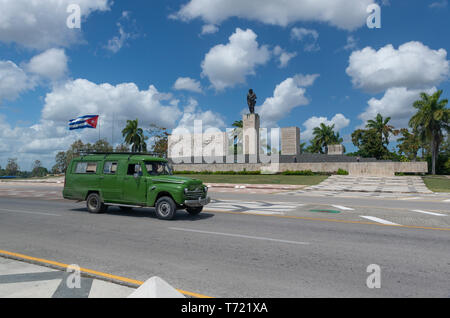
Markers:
197,203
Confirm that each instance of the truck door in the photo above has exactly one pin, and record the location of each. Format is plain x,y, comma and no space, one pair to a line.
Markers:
134,185
110,183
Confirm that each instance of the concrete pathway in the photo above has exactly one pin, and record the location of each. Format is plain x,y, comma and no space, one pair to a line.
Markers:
23,280
408,184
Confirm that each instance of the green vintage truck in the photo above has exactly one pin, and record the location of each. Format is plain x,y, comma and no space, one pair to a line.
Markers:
129,180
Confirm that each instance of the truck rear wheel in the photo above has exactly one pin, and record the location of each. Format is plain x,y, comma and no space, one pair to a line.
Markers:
194,210
94,204
165,208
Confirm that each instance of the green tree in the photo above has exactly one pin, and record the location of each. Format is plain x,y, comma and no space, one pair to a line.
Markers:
432,119
61,162
369,144
323,137
159,137
134,136
122,148
38,170
101,145
409,144
12,168
382,127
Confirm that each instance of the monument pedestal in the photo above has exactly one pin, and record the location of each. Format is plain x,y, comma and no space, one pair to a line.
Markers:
251,125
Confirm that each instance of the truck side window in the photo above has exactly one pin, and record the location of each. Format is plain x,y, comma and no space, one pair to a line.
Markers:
133,168
110,167
86,167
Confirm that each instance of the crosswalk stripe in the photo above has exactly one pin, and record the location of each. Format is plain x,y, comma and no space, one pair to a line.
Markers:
340,207
375,219
427,212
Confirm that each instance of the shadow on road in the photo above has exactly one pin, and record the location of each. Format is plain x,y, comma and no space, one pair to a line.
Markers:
181,215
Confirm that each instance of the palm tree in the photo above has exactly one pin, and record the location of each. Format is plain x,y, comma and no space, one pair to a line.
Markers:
323,137
380,125
134,136
432,118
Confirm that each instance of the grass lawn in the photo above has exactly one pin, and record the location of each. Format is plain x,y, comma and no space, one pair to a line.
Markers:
437,183
258,179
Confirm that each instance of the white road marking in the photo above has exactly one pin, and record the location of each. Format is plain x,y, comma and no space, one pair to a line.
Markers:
430,213
340,207
239,235
412,198
372,218
28,212
264,213
446,200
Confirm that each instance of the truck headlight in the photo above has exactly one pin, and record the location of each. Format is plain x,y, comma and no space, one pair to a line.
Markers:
205,189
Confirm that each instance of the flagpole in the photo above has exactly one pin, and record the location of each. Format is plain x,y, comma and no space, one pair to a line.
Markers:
112,131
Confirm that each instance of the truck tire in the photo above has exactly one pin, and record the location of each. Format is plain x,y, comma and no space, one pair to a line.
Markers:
94,204
165,208
194,211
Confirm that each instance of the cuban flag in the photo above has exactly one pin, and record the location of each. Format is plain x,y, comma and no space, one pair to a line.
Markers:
89,121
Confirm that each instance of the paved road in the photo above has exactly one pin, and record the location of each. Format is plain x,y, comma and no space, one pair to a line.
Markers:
244,248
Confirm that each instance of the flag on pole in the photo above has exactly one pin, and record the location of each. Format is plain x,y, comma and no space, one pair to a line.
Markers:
89,121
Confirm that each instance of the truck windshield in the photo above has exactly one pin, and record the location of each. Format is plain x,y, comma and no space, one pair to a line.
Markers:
158,168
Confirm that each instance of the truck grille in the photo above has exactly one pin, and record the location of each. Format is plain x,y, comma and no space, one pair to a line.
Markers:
195,194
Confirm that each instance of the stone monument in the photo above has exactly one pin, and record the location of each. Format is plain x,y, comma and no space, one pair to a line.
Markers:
290,141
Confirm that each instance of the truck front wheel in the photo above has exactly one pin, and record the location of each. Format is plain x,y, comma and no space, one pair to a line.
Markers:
165,208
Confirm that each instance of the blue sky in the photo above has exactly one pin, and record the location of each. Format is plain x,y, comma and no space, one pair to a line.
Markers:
128,55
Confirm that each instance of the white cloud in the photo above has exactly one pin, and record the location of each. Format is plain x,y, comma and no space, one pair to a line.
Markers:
117,42
412,65
397,103
307,35
13,81
209,29
287,95
439,4
305,80
51,64
283,56
351,44
344,14
230,64
209,119
188,84
81,97
42,24
339,121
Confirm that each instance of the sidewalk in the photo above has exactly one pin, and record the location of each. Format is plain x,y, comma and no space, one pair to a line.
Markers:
407,184
23,280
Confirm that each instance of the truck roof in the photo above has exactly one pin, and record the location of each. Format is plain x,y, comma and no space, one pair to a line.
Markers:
119,156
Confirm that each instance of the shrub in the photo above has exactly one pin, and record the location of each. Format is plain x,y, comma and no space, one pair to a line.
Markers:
342,172
298,173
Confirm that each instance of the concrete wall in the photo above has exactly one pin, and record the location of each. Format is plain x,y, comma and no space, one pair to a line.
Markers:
354,168
290,141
